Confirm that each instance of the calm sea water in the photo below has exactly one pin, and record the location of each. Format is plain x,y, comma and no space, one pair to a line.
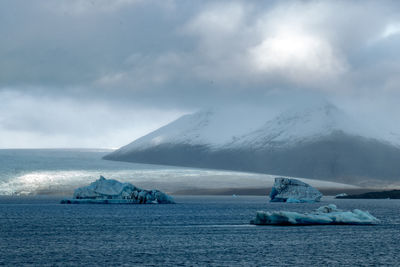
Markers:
205,231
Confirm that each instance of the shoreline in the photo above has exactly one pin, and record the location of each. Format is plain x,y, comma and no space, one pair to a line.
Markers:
265,191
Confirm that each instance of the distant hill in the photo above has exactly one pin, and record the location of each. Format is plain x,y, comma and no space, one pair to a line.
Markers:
320,142
392,194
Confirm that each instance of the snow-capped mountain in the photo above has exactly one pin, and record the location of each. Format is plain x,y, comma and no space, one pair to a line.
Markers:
307,124
319,141
212,128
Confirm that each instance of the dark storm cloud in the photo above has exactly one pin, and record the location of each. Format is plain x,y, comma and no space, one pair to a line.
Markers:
146,57
66,43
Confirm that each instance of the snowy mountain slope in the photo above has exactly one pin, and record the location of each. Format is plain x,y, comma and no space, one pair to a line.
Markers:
188,129
319,141
308,124
212,128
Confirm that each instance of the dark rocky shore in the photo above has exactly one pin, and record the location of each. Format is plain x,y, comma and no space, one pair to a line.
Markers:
393,194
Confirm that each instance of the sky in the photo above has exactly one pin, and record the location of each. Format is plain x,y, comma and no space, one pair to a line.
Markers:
77,73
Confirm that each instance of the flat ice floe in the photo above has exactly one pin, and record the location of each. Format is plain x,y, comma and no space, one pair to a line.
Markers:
329,214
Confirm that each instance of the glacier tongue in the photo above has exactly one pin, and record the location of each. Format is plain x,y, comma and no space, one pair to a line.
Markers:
294,191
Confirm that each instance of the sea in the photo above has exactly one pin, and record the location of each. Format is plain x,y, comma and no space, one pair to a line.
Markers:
36,230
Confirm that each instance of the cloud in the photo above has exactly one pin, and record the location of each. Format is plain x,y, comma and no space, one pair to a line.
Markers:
307,44
124,56
297,56
31,121
391,29
83,7
218,21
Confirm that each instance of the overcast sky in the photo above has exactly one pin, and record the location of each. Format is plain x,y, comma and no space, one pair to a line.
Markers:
101,73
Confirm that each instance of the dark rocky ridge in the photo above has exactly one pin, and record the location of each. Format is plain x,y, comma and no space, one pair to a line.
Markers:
392,194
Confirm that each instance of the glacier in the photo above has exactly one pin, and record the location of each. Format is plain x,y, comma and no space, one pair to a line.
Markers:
110,191
329,214
293,191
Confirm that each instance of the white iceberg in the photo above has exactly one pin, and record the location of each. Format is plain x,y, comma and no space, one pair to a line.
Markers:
109,191
293,191
324,215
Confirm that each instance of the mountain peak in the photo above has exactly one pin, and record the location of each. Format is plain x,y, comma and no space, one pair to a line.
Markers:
234,128
317,141
297,124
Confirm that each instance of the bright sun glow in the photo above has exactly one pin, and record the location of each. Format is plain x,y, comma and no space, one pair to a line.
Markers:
391,29
296,53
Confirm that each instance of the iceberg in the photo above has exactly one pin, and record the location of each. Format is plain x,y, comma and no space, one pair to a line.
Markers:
293,191
329,214
109,191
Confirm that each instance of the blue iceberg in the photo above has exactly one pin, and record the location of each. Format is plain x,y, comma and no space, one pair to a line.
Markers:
329,214
109,191
293,191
